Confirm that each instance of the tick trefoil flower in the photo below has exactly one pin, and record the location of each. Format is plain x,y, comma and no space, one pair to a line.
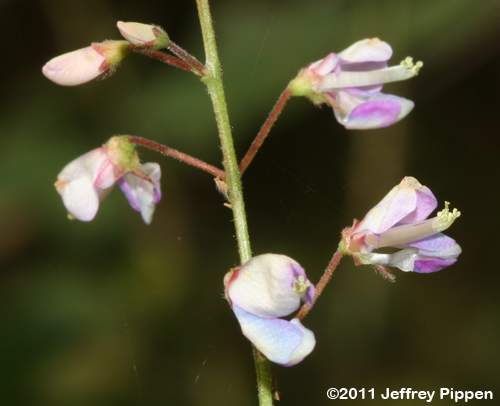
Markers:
144,35
401,221
351,83
85,64
84,182
261,292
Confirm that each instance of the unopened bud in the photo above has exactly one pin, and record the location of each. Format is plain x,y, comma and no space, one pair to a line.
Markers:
144,35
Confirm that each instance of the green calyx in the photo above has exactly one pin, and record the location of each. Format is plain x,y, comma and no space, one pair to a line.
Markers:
162,39
113,51
122,153
303,86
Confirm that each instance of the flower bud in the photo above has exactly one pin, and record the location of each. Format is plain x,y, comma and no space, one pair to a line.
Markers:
85,64
144,35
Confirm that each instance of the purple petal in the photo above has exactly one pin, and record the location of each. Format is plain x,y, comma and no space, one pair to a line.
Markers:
426,204
438,245
377,111
129,193
309,295
367,50
429,265
153,170
281,341
143,194
396,205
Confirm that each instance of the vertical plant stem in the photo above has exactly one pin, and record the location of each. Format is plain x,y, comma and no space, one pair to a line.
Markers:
213,81
265,129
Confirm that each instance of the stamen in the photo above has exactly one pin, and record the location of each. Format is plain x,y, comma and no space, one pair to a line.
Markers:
345,79
301,284
404,234
408,64
445,218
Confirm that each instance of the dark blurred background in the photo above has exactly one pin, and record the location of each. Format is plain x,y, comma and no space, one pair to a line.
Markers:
117,313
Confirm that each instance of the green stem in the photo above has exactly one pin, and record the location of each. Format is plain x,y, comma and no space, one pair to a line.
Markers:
213,81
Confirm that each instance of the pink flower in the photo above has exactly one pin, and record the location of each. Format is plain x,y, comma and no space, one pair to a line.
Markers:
263,290
84,182
85,64
401,221
351,83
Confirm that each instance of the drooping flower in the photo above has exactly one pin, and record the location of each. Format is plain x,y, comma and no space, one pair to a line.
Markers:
400,221
84,182
263,290
86,64
351,83
144,35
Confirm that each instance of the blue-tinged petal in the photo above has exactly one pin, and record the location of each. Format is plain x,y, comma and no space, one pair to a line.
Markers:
269,285
143,193
281,341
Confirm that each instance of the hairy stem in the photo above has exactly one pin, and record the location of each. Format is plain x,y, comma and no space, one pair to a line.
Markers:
178,155
213,81
196,66
320,286
165,58
265,129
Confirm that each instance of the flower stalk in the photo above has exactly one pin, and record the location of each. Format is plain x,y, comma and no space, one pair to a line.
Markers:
265,129
320,286
163,57
178,155
196,66
214,83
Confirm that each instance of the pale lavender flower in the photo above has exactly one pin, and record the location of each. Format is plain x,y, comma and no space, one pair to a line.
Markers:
263,290
84,182
400,220
351,83
144,35
85,64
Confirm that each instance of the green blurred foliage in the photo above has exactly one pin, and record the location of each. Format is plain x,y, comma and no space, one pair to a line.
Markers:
117,313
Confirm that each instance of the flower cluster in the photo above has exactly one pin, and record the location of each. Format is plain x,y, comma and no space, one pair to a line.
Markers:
261,292
84,182
101,59
351,83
